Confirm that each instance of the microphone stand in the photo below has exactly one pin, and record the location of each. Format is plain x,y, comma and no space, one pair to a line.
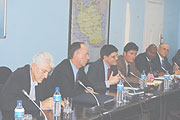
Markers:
25,93
128,83
135,75
98,107
164,69
98,104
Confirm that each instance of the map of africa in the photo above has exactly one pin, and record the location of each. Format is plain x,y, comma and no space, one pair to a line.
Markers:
89,24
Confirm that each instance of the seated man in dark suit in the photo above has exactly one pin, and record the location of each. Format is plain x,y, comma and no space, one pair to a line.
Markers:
100,72
126,65
67,74
144,60
27,78
160,63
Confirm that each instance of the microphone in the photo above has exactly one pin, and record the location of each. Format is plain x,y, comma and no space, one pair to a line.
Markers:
25,93
128,83
164,69
176,64
135,75
97,101
171,76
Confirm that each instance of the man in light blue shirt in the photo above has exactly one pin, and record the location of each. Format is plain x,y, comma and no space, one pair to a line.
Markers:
103,74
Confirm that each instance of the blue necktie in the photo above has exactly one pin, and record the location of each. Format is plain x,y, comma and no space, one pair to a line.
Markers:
163,64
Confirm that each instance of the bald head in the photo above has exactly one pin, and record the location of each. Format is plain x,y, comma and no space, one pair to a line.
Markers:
163,50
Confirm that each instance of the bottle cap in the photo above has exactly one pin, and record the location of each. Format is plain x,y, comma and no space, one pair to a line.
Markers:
143,71
166,71
57,88
19,101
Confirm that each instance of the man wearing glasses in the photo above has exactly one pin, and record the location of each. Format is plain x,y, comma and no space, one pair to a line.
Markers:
160,63
126,65
103,74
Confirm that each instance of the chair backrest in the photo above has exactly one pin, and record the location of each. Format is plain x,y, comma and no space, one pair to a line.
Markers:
4,74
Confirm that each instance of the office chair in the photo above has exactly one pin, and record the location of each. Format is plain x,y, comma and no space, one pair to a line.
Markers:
4,74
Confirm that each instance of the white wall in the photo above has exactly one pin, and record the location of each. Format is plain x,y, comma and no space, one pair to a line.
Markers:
34,26
127,23
153,27
171,25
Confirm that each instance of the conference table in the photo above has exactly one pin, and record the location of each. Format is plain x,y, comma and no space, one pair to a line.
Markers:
154,104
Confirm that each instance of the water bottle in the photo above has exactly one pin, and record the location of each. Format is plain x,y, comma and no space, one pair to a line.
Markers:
120,89
166,80
143,80
57,104
19,111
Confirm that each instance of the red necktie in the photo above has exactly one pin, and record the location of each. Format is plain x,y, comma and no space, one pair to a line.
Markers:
108,74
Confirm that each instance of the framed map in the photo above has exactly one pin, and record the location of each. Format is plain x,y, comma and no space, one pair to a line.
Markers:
3,15
89,23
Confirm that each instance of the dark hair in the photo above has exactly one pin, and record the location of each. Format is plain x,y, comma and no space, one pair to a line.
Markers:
151,46
130,46
106,50
73,47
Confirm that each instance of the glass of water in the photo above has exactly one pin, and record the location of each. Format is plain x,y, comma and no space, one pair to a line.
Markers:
28,117
67,111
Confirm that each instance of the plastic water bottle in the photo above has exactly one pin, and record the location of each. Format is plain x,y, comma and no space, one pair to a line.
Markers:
120,89
57,104
143,80
166,80
19,111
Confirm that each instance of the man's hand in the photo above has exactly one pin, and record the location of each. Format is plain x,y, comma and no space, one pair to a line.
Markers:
113,79
91,90
47,103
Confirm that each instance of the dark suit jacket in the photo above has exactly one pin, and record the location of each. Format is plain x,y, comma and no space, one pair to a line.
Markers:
176,58
142,63
12,90
121,65
156,65
63,77
96,75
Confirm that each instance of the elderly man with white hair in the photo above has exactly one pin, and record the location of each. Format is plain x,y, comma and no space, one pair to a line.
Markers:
28,78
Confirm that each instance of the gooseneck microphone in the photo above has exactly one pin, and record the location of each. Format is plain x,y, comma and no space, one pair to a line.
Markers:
97,101
164,69
26,94
171,76
135,75
176,64
128,83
